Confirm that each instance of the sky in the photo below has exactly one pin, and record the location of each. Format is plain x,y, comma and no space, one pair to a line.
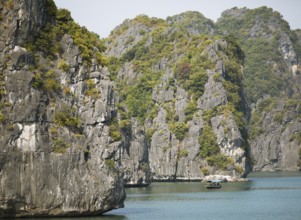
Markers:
102,16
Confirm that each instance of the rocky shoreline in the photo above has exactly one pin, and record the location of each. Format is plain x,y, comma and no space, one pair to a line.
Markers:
223,178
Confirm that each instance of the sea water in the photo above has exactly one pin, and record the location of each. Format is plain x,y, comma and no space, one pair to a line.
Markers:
275,196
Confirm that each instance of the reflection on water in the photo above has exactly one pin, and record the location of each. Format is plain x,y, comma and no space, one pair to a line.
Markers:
277,174
103,217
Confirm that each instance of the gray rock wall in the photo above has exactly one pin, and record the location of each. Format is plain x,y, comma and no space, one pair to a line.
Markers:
22,20
49,167
273,129
165,157
276,148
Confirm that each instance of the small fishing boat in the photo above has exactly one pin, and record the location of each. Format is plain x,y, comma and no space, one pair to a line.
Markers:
215,184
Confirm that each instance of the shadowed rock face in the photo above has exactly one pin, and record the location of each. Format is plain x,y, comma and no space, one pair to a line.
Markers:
277,146
272,85
53,165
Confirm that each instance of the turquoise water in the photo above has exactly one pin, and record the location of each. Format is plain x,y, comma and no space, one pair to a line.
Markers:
265,196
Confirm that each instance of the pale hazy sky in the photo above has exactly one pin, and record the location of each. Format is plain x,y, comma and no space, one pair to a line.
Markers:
102,16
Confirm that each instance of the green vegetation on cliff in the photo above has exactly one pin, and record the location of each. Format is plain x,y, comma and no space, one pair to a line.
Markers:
192,22
261,33
158,63
258,32
61,23
208,143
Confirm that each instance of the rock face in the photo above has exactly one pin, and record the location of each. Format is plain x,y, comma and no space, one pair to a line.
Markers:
254,121
277,148
21,20
174,95
272,85
178,99
56,154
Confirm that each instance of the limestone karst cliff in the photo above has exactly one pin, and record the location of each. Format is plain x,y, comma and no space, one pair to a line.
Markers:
181,106
158,100
56,102
272,85
204,79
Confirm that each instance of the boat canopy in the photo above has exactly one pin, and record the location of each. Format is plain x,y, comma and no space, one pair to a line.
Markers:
216,181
